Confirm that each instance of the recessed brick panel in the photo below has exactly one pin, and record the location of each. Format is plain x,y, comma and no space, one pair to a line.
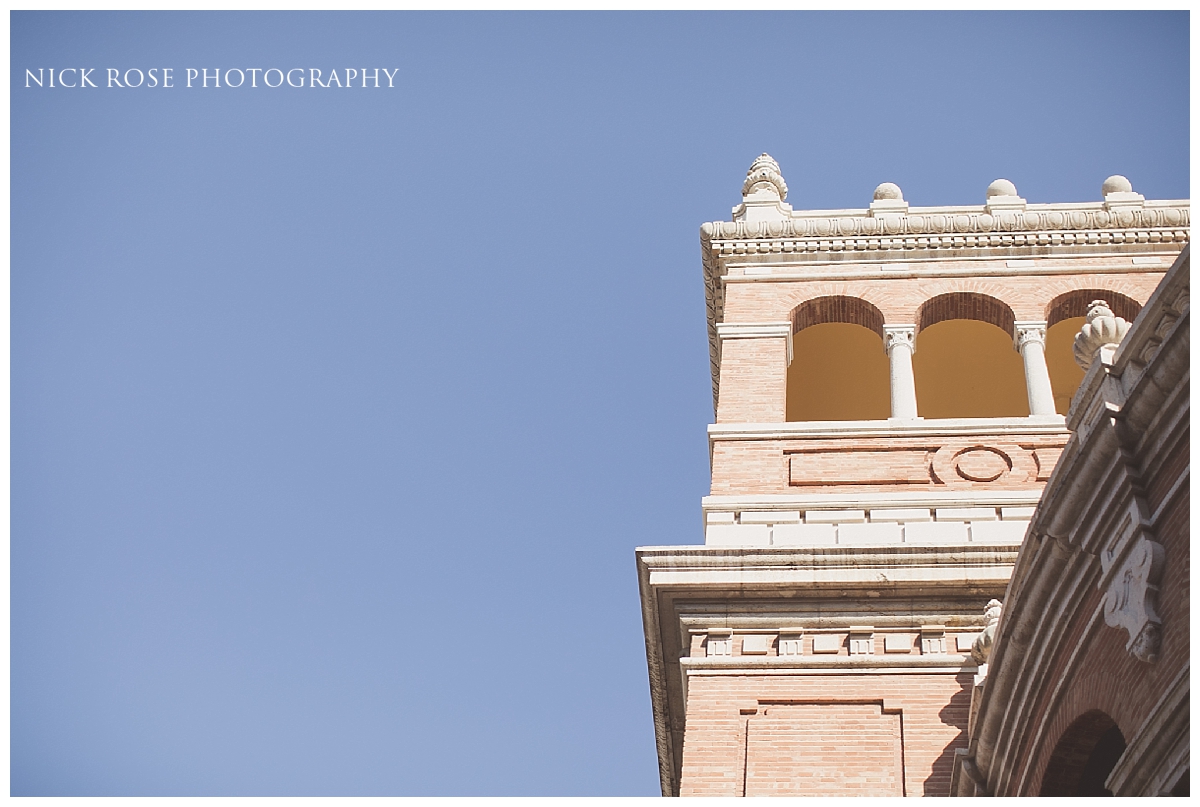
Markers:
928,710
824,749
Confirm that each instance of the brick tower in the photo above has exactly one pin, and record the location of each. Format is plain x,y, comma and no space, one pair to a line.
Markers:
889,386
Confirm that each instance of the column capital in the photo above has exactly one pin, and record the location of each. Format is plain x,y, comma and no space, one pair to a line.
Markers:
1028,331
894,335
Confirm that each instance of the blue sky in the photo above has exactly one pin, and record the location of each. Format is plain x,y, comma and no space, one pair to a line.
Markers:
337,413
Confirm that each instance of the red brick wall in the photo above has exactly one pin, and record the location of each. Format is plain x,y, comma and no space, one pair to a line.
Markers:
762,466
824,749
1030,297
1108,678
753,381
851,734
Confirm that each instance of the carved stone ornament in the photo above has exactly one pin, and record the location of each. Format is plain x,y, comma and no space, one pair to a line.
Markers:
894,335
1102,330
888,225
888,191
1027,333
1001,187
764,180
1131,600
982,648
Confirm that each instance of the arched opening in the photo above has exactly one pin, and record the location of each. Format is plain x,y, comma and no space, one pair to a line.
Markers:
839,369
1084,757
964,364
1064,318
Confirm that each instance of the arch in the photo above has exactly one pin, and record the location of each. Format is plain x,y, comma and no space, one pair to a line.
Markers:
837,308
1076,303
964,363
1083,757
839,369
965,305
1064,318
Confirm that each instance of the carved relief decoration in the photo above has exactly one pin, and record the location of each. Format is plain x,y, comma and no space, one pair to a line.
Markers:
903,335
1131,598
959,464
1030,332
764,177
1102,330
964,229
954,463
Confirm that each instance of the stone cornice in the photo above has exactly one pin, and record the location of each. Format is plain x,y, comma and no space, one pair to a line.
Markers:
933,228
680,562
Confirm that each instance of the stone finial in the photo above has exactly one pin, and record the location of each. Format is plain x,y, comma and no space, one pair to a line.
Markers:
1116,184
982,648
888,190
1002,197
889,201
764,180
1118,194
1103,330
1001,187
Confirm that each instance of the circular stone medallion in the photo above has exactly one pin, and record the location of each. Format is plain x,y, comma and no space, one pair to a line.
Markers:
981,464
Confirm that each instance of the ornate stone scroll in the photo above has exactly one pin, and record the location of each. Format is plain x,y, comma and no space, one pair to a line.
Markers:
1131,598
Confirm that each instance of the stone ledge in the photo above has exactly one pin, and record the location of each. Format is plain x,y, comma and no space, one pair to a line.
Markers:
840,429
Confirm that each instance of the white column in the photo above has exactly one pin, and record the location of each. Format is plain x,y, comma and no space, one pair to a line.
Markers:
1029,338
899,341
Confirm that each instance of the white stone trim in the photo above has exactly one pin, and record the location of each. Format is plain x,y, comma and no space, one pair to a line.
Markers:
704,579
837,429
1005,221
905,514
827,529
872,501
757,330
769,517
835,517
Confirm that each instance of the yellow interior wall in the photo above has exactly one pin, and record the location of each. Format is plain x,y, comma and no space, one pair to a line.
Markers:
966,368
840,372
1065,374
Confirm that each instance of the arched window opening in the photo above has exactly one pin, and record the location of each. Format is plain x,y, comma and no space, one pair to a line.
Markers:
839,369
1065,316
1084,757
964,364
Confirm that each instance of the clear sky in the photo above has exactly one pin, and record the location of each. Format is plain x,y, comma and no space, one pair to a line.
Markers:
337,413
